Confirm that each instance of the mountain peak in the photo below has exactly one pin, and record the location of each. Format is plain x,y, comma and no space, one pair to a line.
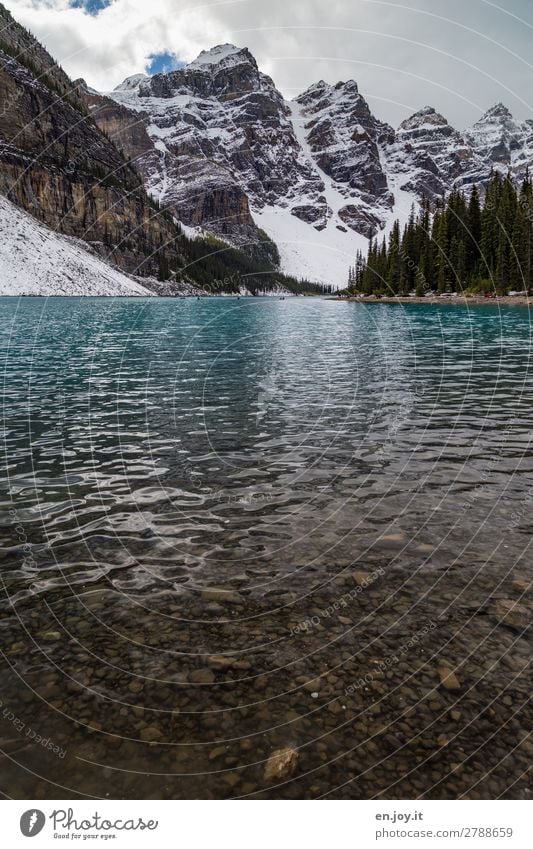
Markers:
316,92
131,83
498,112
427,116
225,55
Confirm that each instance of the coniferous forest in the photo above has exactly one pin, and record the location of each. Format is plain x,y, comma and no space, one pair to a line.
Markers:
461,244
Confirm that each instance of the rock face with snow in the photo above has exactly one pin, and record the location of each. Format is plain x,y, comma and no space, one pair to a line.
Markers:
343,139
298,185
57,165
222,144
218,145
428,156
503,142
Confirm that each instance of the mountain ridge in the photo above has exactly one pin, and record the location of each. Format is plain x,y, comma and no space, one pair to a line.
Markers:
214,150
58,166
230,154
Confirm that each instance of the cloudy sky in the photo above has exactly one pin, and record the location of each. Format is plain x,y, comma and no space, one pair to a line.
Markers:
461,56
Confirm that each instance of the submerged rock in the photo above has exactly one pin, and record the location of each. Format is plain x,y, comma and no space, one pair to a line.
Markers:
448,678
281,764
201,676
514,614
151,734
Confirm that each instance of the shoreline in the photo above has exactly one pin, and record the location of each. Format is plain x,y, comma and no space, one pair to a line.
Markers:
459,300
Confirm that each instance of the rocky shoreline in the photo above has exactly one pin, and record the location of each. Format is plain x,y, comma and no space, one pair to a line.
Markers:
454,300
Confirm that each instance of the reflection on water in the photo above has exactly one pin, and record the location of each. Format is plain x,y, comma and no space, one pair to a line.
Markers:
194,496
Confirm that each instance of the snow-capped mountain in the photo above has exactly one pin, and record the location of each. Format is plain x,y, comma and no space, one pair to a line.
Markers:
219,146
342,137
428,156
222,144
214,149
61,176
502,141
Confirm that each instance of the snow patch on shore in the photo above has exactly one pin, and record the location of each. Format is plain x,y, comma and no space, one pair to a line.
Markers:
36,261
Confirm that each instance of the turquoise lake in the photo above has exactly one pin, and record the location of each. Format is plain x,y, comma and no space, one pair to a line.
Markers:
235,525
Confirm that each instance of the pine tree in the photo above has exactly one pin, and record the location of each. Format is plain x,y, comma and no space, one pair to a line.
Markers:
458,243
473,246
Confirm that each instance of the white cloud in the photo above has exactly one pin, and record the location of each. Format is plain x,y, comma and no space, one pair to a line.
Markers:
459,56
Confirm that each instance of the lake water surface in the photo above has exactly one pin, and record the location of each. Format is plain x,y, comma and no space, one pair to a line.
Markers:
231,526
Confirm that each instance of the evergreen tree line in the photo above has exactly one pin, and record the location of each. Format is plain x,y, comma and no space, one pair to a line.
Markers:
218,268
459,244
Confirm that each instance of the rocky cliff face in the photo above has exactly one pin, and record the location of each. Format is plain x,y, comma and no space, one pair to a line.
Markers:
22,46
56,164
427,156
221,143
216,143
503,142
343,139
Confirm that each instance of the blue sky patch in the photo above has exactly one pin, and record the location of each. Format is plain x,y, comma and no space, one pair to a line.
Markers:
92,7
163,63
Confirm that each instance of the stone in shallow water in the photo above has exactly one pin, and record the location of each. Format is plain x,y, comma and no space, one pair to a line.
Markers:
217,753
448,678
151,734
220,595
220,661
361,578
515,615
201,676
281,764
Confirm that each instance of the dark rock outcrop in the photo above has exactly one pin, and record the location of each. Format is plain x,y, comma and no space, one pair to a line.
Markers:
56,164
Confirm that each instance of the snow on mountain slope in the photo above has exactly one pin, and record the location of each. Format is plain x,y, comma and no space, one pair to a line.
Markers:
334,199
322,254
428,156
132,83
229,153
36,261
223,55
